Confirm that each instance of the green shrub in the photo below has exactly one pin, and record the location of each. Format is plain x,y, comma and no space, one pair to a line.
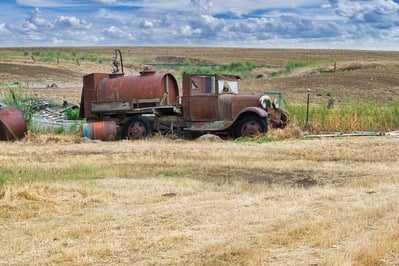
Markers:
72,114
243,69
59,130
18,100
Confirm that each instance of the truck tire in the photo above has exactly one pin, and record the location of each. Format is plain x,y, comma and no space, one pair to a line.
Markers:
250,126
137,127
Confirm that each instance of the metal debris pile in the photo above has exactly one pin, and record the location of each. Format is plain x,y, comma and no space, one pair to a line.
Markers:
43,115
47,115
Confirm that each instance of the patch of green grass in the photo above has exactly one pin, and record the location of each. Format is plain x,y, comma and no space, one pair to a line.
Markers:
171,173
3,179
59,130
259,139
78,172
242,69
14,84
50,55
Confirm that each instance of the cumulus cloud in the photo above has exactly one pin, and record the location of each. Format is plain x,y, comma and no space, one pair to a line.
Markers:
72,22
116,33
367,19
380,12
151,23
36,21
2,27
187,30
202,6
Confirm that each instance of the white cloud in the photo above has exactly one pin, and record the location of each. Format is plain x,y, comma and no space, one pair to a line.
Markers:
37,21
187,30
367,11
114,31
114,34
202,6
147,24
56,41
71,22
2,27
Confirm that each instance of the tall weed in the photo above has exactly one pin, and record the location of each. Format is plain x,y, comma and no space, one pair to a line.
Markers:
347,118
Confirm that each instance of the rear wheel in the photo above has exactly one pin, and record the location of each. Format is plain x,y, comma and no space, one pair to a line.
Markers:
250,126
136,127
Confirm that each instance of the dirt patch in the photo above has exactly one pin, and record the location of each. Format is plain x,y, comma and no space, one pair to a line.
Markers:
293,178
35,72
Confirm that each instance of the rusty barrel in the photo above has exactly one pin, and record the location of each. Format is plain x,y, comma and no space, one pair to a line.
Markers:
12,123
104,130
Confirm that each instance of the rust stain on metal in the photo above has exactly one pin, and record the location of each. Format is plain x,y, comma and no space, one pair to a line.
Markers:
12,124
104,130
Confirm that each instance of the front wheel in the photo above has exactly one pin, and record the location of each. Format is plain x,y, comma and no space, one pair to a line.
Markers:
136,127
250,126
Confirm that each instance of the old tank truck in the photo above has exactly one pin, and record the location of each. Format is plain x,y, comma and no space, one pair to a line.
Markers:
137,105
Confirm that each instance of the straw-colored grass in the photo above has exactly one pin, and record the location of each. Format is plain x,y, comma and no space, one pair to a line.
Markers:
328,201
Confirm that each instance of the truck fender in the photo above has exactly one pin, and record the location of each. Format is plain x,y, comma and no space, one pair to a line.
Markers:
252,110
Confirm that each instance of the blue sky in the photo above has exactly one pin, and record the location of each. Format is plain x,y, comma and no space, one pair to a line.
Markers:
324,24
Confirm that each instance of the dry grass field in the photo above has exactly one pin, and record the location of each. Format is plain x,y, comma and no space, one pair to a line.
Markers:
163,202
298,201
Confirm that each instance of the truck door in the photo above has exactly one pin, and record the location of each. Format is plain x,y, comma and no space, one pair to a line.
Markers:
200,98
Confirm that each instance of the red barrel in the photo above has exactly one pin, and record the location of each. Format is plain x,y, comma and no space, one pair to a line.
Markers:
12,123
104,130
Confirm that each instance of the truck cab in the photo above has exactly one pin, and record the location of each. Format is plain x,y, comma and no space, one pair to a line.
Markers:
211,103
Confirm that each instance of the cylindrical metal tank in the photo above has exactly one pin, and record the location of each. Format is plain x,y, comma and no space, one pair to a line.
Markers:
104,130
149,89
12,123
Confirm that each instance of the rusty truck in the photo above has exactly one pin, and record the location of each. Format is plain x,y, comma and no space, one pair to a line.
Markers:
151,102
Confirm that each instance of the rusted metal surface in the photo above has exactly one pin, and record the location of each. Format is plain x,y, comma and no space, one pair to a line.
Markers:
89,93
203,108
209,126
137,128
278,117
119,93
105,130
231,105
148,85
12,124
